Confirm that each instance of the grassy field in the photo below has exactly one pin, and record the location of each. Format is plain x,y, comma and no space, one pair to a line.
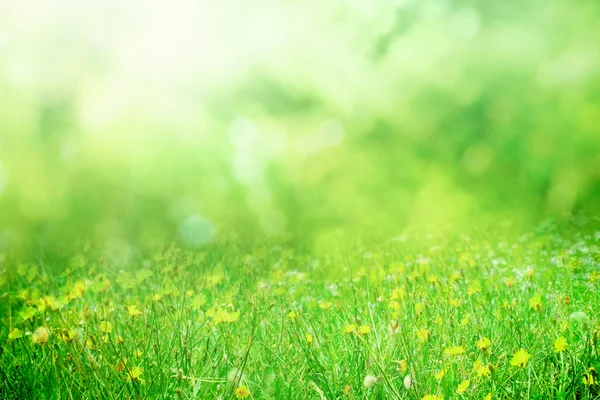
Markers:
488,315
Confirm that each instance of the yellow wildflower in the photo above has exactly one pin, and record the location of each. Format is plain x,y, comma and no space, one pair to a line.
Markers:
242,392
309,338
135,374
536,302
364,329
440,374
106,327
483,344
133,311
462,387
402,365
423,334
292,315
432,397
520,358
454,351
560,344
480,369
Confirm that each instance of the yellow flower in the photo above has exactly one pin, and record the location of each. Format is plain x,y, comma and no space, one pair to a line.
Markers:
402,365
462,387
529,273
480,369
474,287
465,320
120,367
560,344
488,396
351,328
483,344
432,397
242,392
309,338
68,335
454,351
220,315
536,302
325,305
135,374
40,335
133,311
198,301
15,334
440,374
509,282
106,327
364,329
292,315
588,377
419,307
423,334
520,358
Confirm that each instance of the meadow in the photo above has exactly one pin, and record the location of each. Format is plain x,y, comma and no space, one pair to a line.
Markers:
274,199
491,315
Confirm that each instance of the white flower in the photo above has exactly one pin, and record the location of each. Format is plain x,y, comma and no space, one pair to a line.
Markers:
369,381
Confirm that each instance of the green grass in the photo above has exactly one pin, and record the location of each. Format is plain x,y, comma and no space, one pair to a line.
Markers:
346,324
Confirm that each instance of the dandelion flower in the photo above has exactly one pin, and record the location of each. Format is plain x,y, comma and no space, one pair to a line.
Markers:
369,381
292,315
350,328
40,335
454,351
402,365
423,334
309,338
242,392
364,329
483,344
560,344
465,320
133,311
325,305
135,374
106,327
520,358
463,386
480,369
536,302
440,374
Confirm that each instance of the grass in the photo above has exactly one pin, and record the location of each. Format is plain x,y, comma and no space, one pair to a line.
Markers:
482,315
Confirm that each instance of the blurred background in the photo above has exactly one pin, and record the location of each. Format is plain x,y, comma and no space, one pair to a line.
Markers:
124,121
